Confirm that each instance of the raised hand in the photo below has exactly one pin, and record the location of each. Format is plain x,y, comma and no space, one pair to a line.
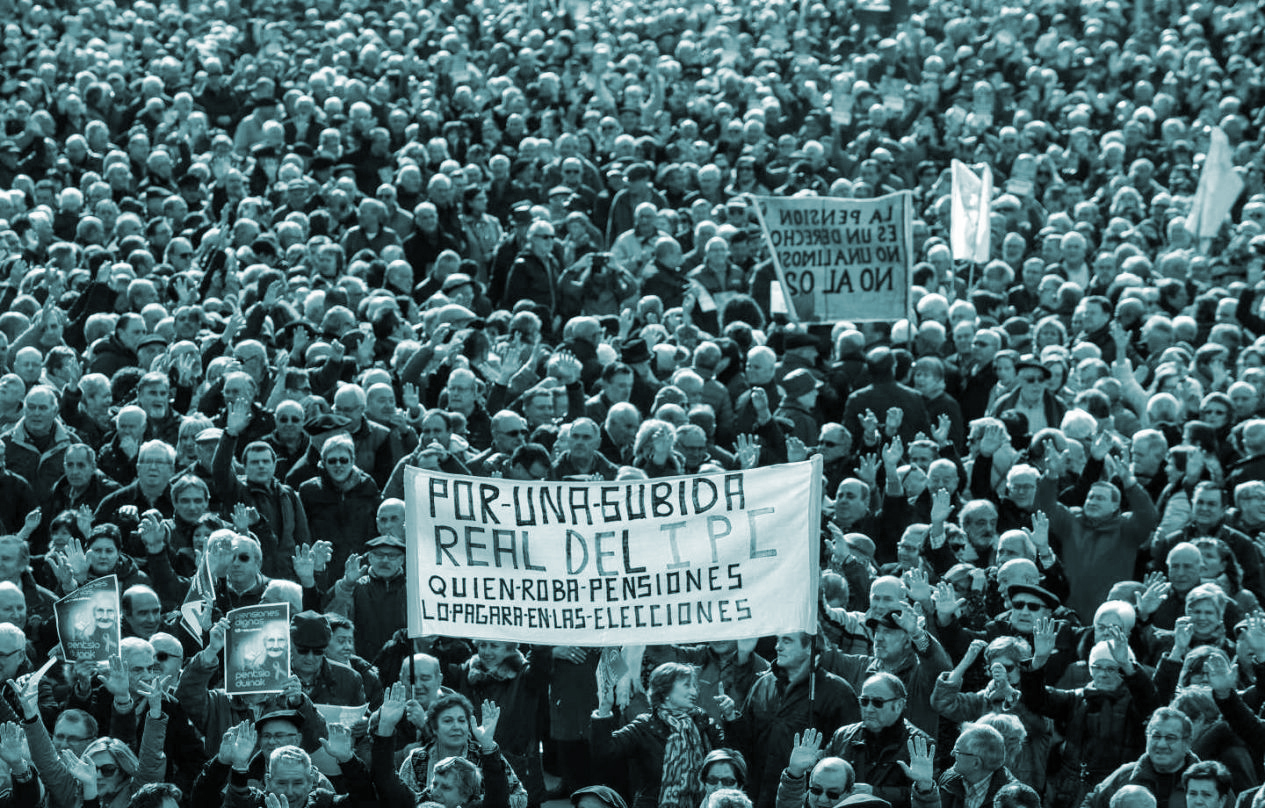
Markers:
237,416
32,521
895,415
13,748
244,517
83,518
760,403
1040,533
412,397
869,422
917,584
893,453
795,449
948,604
1119,643
1152,597
485,733
1254,635
1044,633
238,745
940,432
1220,675
974,650
116,681
991,440
76,559
322,551
805,752
920,769
216,638
1101,445
941,505
725,703
392,710
1183,635
867,469
338,744
748,451
81,768
305,565
564,366
352,569
153,693
151,531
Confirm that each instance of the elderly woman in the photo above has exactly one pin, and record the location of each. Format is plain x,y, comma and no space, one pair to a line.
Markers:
667,745
108,773
461,766
654,450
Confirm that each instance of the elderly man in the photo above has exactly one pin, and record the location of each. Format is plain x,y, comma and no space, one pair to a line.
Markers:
117,459
1208,517
880,397
35,444
830,782
156,465
1161,605
509,431
1160,769
375,454
342,500
82,484
1097,542
878,743
282,522
581,457
977,774
781,703
374,600
153,393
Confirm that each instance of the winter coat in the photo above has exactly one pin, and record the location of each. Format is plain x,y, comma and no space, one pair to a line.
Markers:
348,518
1141,772
643,741
875,756
39,468
377,607
958,707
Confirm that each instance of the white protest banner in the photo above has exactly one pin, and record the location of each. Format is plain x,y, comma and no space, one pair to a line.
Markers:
681,559
841,259
88,621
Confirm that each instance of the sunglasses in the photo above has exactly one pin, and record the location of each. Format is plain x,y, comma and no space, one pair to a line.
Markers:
307,650
832,794
957,546
875,701
245,558
163,656
108,770
337,461
1027,606
290,420
514,433
723,782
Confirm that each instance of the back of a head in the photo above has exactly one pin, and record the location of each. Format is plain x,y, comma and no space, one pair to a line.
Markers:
1133,796
1017,795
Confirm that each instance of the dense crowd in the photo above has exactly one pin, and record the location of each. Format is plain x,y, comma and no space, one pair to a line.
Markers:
257,260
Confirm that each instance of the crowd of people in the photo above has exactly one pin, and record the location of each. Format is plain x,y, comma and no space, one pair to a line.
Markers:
259,259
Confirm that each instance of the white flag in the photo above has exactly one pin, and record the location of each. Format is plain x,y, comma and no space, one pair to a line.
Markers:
1219,187
970,225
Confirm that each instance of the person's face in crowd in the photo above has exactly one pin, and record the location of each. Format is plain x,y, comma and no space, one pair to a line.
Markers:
290,780
338,464
1147,457
452,728
827,786
342,646
141,665
509,433
984,347
1214,412
1025,611
1010,546
1099,503
103,555
77,468
70,733
1022,489
306,660
539,409
1244,398
277,733
619,388
760,368
584,440
833,442
154,398
144,615
12,655
942,477
190,504
791,653
28,365
1167,744
881,707
623,428
261,466
386,562
12,606
851,502
1206,508
1205,618
719,775
390,519
683,695
1201,793
109,776
289,422
243,566
928,383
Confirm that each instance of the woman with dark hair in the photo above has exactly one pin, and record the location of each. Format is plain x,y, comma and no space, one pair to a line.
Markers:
461,766
666,745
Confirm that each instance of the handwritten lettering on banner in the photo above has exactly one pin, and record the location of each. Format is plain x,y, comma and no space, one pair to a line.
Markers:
681,559
841,259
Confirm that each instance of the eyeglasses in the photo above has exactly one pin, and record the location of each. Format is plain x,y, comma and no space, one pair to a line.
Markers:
163,656
154,463
61,737
957,546
1165,737
288,419
875,701
832,794
107,769
337,461
1104,668
513,433
278,737
963,753
723,782
307,650
1027,606
245,558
